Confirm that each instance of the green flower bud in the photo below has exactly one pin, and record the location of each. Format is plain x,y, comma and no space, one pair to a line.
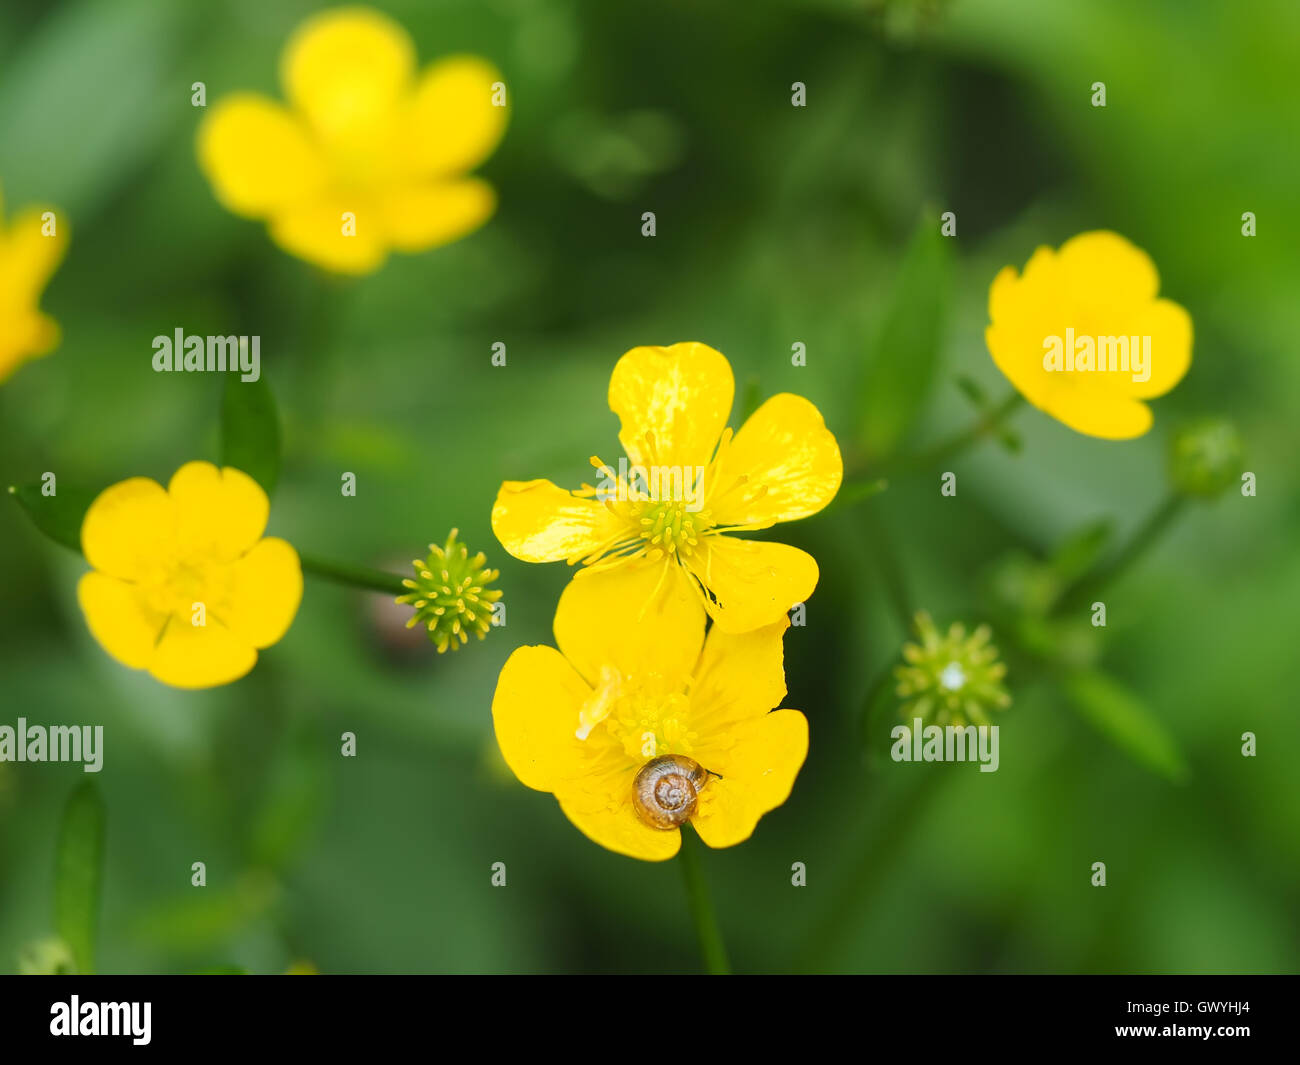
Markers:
952,678
450,594
1205,457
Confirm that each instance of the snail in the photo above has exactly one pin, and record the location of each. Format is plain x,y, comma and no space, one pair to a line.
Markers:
665,789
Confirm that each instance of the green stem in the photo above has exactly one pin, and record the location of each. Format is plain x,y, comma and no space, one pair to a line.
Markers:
374,580
890,569
955,445
871,711
697,894
1152,530
877,853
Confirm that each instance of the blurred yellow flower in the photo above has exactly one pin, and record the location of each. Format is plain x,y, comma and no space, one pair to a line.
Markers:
1083,337
633,688
31,248
184,584
690,482
369,156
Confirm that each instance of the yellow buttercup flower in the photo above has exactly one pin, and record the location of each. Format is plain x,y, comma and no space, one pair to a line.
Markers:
638,724
370,155
1083,336
31,248
690,482
184,584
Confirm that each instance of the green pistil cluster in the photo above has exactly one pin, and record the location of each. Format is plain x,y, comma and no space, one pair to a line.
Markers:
953,678
450,595
671,528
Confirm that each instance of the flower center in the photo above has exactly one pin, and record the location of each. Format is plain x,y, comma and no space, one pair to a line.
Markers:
174,585
640,713
672,527
952,677
449,594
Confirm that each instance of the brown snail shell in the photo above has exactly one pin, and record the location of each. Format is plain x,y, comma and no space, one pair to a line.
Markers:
665,790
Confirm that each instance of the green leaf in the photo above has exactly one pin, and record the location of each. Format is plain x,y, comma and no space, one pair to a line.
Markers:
199,920
78,873
1011,441
902,367
1080,552
250,430
290,808
973,391
133,46
58,516
1120,716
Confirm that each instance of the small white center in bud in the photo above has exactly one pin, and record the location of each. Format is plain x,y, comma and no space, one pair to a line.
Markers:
952,677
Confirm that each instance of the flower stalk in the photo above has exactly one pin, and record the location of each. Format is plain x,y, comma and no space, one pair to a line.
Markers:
986,425
705,919
371,580
1152,531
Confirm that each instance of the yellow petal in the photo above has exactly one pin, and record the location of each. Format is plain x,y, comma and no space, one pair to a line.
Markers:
617,827
639,617
451,125
790,462
340,233
1023,310
28,258
33,333
1170,328
741,676
265,590
758,763
751,583
200,656
1018,353
680,395
347,70
258,156
1099,412
535,715
1102,287
417,218
537,521
119,618
129,528
1010,295
219,513
1103,269
26,335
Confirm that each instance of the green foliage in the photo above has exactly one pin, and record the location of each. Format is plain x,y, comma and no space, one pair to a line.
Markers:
250,430
904,357
1121,716
58,516
85,150
776,225
1081,551
78,876
203,918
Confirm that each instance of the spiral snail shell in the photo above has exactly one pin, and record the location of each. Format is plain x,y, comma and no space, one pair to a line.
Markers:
665,789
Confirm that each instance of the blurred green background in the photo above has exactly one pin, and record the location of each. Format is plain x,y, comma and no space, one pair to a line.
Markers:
776,225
